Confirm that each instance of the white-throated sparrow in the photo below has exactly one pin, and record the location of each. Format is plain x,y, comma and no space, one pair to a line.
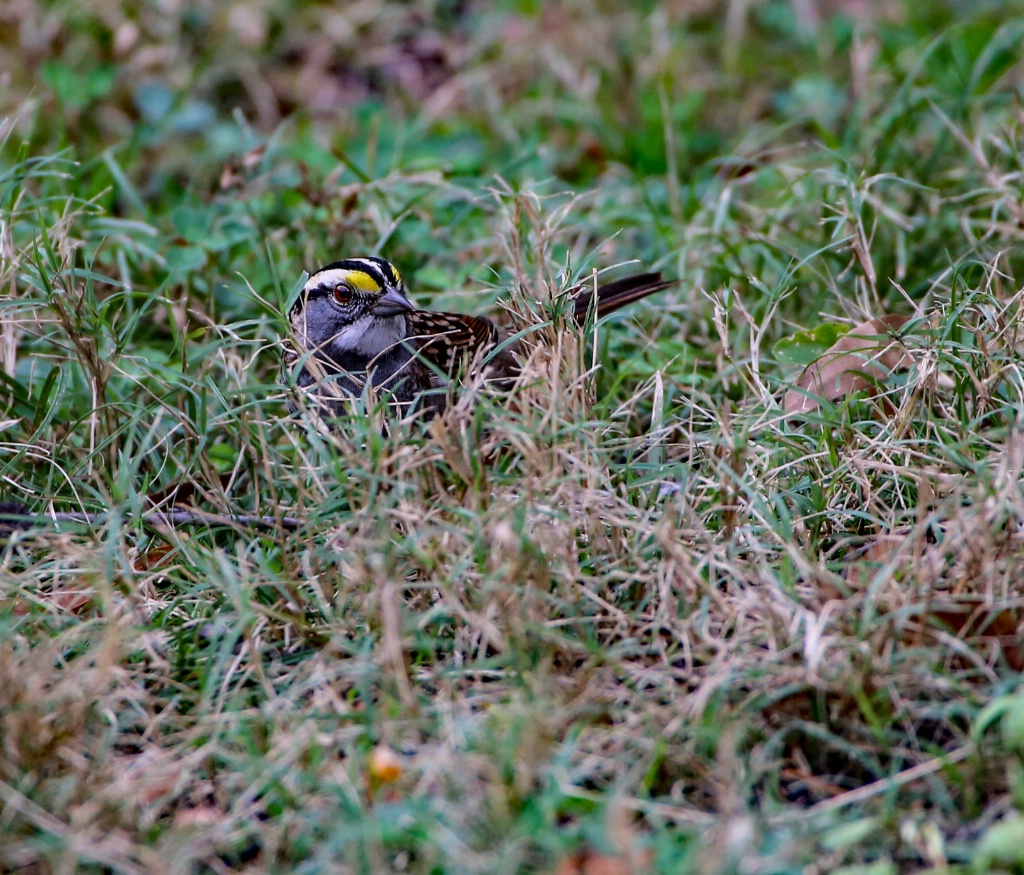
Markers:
354,328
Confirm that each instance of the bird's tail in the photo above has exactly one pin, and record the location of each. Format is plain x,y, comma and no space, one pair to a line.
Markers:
618,293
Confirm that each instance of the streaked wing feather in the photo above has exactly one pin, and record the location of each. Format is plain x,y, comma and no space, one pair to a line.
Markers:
445,339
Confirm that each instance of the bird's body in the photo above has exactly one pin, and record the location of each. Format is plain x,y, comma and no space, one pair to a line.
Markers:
355,329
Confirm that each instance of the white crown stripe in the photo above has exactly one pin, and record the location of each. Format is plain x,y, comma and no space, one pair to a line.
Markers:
332,276
386,269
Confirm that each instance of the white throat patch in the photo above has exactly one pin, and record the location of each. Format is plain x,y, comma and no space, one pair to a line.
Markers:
370,335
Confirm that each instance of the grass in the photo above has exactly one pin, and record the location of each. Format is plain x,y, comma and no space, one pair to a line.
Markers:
642,619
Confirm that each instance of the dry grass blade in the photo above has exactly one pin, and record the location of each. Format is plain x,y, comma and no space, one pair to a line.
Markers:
621,620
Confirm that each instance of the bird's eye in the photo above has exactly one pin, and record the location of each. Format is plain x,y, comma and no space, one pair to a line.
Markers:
342,294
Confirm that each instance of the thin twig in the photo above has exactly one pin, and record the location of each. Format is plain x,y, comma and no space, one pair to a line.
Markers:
22,518
882,785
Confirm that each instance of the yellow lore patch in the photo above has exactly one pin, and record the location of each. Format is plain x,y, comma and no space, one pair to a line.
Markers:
361,280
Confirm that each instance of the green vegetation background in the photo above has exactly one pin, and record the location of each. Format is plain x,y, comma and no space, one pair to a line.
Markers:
655,626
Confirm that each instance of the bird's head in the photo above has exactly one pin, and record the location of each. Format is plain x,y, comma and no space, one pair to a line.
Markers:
352,307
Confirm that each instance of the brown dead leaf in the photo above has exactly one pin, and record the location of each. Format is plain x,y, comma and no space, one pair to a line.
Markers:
588,862
854,363
973,619
626,854
157,556
983,626
185,490
72,600
862,570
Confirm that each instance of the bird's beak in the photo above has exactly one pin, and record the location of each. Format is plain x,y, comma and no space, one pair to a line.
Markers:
392,303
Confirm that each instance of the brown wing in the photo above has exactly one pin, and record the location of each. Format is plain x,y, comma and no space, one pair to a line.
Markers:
446,339
611,296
